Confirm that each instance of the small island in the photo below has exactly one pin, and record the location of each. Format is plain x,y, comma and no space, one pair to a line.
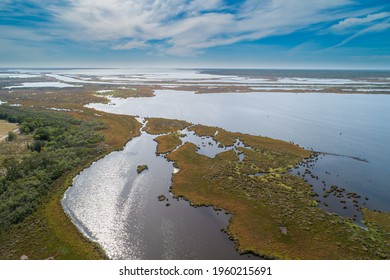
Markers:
141,168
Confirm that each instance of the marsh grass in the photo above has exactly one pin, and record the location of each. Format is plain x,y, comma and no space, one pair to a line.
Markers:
167,143
158,126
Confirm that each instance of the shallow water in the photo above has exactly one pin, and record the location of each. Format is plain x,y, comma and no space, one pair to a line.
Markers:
324,171
207,146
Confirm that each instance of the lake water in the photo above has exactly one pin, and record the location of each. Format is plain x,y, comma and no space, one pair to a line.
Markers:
113,205
352,131
351,125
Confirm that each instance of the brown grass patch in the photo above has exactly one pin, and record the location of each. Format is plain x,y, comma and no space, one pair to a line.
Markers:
157,126
167,143
5,127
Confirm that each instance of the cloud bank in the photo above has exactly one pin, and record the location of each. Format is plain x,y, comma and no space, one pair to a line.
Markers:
186,27
183,28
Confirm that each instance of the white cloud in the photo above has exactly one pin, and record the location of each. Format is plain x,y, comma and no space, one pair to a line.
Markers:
382,26
358,26
130,45
187,27
350,24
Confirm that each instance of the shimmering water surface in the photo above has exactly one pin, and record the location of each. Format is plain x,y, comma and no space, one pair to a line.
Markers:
119,208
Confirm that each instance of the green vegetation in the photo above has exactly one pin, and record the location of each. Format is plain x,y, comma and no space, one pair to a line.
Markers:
17,149
379,223
141,168
39,166
60,143
274,214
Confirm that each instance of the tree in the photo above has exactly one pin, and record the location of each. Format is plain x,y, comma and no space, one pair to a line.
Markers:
11,165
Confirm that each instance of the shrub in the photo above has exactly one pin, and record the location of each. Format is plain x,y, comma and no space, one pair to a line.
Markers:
11,136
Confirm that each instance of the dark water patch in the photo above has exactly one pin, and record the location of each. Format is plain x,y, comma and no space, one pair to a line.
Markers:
339,191
352,157
206,146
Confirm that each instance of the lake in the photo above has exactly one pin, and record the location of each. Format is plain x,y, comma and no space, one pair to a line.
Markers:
351,130
352,125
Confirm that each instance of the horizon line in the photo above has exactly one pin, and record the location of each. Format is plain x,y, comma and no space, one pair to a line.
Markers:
193,68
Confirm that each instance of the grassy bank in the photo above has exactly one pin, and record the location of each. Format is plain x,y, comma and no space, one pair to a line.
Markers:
167,143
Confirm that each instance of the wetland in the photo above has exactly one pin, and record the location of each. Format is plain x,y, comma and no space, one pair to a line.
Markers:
209,185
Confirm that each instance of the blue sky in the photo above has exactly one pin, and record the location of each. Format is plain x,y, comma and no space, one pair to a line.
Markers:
195,33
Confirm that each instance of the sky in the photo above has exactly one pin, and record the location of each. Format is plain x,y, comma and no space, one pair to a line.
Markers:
330,34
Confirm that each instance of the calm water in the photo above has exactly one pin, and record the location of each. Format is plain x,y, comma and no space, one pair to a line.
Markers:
115,206
352,125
